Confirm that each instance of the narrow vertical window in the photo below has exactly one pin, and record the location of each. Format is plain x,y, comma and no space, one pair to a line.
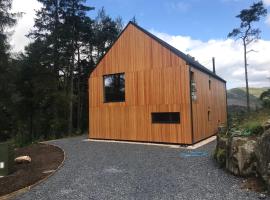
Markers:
193,86
209,83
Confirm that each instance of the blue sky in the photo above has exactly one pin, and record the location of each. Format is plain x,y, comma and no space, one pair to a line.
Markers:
199,19
196,27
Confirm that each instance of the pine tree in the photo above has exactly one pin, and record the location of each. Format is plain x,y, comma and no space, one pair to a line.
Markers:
248,34
7,19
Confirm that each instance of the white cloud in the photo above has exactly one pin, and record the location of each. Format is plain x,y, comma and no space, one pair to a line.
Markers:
229,58
267,21
179,6
25,23
266,2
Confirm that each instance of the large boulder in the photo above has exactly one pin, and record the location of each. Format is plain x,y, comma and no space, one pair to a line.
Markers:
263,157
241,158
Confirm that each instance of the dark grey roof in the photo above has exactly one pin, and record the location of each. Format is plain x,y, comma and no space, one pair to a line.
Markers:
190,61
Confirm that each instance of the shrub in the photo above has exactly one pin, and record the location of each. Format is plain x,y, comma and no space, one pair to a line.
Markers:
265,97
220,157
253,128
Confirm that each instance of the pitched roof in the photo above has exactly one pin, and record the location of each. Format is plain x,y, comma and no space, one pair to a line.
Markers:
190,61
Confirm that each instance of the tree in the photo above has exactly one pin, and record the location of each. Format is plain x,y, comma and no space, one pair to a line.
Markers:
248,34
106,31
134,20
7,88
75,17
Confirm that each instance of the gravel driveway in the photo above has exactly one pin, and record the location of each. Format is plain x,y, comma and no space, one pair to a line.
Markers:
101,170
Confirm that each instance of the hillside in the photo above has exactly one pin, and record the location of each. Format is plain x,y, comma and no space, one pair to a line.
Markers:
237,97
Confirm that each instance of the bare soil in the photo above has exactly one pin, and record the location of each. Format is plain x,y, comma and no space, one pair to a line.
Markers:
45,158
254,184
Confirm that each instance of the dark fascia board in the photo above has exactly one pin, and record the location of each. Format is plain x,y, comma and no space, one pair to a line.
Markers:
190,61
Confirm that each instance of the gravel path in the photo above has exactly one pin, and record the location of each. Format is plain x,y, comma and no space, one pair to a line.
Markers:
100,170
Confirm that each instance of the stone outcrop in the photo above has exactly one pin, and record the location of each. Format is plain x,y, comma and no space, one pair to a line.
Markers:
245,155
241,159
263,157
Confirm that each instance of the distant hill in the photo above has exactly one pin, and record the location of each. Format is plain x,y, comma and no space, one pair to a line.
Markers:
237,96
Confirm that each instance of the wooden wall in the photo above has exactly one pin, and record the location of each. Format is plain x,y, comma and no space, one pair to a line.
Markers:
156,80
213,100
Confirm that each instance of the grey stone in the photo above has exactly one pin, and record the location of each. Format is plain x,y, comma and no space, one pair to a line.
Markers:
266,125
263,157
241,159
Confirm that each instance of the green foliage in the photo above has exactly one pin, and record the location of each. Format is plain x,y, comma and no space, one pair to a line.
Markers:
265,97
44,91
247,124
220,157
252,128
247,17
7,72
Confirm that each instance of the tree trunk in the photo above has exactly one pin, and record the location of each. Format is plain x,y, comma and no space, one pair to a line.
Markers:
246,75
70,120
79,94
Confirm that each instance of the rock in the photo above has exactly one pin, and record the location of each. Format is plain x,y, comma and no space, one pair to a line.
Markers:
262,152
222,142
23,159
221,150
241,159
266,125
262,196
222,129
48,171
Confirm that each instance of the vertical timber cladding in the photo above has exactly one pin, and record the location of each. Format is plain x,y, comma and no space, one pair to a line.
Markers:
156,80
209,109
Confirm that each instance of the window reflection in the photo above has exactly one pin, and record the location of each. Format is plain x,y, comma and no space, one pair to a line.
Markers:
114,87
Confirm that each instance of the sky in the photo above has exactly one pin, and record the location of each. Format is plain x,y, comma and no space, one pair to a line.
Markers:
195,27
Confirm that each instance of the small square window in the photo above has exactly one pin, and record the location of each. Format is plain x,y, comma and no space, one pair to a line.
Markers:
114,87
166,117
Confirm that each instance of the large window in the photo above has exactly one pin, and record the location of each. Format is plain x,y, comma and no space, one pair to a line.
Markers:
114,87
166,117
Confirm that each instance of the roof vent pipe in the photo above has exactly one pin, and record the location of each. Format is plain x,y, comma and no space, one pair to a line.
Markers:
214,65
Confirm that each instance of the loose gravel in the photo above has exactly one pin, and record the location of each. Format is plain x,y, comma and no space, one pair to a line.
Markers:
101,170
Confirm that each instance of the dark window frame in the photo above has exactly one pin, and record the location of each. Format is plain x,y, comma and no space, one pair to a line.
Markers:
155,119
104,90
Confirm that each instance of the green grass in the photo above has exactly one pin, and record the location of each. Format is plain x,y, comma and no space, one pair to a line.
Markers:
250,124
256,117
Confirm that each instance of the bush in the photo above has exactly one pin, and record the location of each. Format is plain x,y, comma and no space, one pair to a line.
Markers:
265,97
253,128
220,157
